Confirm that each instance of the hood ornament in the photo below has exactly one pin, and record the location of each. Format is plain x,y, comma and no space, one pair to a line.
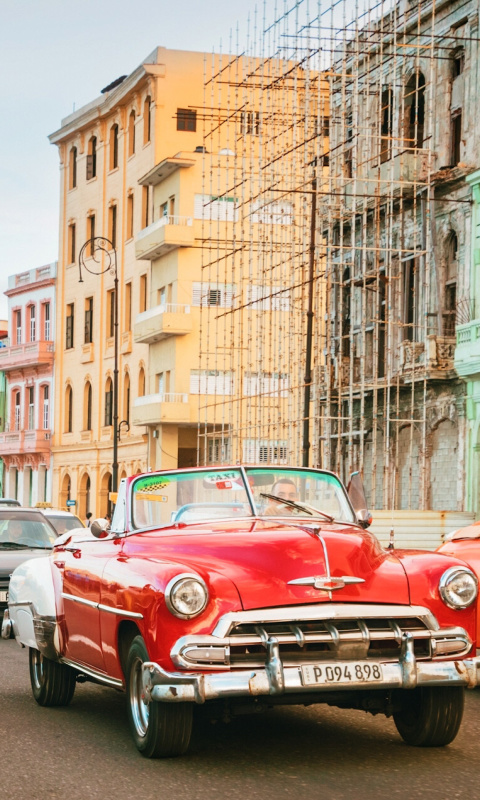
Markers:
325,583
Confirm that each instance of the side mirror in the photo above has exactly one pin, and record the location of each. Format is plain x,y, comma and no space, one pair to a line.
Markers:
100,528
356,493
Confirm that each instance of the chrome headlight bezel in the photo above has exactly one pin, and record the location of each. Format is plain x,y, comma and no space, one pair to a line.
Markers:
447,578
174,584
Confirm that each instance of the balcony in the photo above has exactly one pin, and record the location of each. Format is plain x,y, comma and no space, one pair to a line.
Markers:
166,234
433,359
467,352
29,441
170,319
24,356
161,409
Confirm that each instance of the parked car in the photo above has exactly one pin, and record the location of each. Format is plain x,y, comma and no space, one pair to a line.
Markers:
244,588
9,501
24,533
464,543
62,521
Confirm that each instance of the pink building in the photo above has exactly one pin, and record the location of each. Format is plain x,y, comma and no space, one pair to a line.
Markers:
27,362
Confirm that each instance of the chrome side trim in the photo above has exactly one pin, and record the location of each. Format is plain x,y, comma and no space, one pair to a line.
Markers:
122,612
91,673
330,611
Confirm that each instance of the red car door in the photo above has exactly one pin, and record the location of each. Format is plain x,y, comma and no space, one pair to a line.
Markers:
81,563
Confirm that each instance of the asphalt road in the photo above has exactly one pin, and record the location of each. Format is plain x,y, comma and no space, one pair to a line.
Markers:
84,751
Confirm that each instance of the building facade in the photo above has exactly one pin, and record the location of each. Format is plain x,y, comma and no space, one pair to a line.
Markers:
28,364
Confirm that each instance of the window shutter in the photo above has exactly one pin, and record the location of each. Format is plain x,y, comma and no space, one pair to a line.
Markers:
90,171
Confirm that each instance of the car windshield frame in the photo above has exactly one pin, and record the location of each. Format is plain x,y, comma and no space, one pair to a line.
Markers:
165,499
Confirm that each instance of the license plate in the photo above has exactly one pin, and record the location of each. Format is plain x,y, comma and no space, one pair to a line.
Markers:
341,672
3,597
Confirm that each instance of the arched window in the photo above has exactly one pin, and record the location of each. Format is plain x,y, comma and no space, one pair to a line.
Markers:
147,120
16,412
68,409
415,111
114,147
131,133
92,158
72,168
450,299
46,407
141,382
108,402
65,491
32,314
87,407
126,398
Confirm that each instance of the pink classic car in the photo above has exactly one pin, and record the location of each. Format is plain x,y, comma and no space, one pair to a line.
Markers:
247,587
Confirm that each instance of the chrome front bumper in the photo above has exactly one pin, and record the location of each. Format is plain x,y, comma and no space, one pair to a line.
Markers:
275,679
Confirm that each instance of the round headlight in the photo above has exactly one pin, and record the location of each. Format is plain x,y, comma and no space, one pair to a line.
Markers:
458,587
186,596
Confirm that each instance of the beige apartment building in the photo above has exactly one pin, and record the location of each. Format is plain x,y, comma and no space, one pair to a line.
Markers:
105,148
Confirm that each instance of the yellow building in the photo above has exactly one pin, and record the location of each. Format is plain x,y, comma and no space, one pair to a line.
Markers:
105,148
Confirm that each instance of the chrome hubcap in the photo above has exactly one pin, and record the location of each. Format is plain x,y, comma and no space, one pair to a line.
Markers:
38,669
138,705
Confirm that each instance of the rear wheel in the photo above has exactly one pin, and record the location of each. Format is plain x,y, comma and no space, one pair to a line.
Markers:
53,684
430,716
159,729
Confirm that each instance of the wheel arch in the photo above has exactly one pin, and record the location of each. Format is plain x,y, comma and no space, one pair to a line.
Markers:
127,630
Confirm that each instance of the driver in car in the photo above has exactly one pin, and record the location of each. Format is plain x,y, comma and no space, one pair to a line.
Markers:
286,489
15,532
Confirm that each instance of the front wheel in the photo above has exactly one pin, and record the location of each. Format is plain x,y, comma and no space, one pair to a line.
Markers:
53,684
159,730
430,716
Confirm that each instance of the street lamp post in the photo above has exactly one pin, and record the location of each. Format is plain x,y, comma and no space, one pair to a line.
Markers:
98,248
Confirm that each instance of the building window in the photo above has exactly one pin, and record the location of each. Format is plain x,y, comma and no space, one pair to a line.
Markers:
415,111
450,300
87,407
72,168
143,293
16,419
71,244
88,338
18,326
68,409
32,323
130,216
113,147
46,322
144,206
131,134
111,313
69,325
108,403
250,122
386,125
408,299
112,225
128,307
90,234
46,408
265,451
456,138
147,119
92,158
141,382
31,408
458,62
186,119
126,398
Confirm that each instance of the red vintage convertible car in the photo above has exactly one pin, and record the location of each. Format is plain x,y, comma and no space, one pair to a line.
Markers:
244,588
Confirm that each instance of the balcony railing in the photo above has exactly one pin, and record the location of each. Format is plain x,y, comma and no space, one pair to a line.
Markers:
29,441
163,235
167,319
30,354
161,408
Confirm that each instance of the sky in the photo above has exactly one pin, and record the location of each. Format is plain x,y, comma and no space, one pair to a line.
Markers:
57,55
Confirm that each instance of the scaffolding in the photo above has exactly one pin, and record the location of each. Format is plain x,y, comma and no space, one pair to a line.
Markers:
336,335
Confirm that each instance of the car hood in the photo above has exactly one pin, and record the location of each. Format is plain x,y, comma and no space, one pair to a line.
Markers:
263,561
10,559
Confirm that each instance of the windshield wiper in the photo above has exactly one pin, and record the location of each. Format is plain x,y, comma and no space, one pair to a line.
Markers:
299,506
14,546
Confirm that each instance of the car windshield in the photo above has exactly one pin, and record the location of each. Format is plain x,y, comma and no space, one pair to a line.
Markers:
24,530
164,498
63,523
